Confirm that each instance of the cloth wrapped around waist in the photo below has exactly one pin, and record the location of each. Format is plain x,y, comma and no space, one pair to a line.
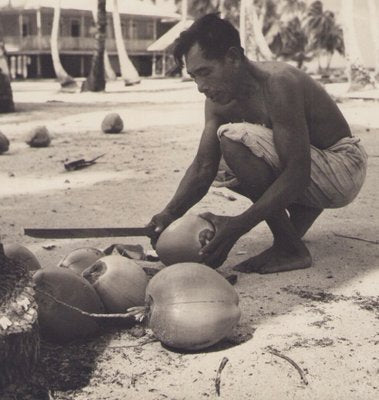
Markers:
337,173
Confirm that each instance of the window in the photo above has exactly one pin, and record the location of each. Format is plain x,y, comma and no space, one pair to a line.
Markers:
25,26
75,28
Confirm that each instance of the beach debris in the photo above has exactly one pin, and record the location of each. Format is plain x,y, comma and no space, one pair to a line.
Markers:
225,196
81,163
292,362
356,238
218,375
112,123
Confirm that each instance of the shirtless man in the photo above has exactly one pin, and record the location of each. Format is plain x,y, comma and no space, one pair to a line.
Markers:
280,138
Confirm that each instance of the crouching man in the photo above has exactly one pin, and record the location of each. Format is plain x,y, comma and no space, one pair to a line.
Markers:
271,134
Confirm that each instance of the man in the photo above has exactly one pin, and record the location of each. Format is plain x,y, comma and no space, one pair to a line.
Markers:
279,136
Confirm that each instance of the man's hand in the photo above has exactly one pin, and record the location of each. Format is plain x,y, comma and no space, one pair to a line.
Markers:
159,222
227,231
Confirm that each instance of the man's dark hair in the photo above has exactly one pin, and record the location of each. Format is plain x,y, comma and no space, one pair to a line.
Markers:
213,34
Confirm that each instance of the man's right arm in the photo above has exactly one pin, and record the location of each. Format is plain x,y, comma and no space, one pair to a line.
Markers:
198,177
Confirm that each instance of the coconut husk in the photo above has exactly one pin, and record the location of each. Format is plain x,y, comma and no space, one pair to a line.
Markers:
19,333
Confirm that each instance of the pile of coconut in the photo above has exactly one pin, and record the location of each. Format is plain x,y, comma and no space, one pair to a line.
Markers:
187,305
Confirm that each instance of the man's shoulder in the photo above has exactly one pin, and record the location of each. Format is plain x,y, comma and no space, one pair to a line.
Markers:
281,75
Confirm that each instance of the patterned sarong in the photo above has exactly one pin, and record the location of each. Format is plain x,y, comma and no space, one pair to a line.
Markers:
337,173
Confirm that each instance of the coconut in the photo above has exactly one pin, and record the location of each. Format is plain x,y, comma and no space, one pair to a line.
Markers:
22,255
4,143
57,321
190,306
119,281
179,242
112,123
80,259
38,137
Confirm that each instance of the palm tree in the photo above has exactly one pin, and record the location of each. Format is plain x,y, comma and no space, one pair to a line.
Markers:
374,18
325,35
291,42
95,81
6,95
128,72
251,32
109,73
358,75
65,80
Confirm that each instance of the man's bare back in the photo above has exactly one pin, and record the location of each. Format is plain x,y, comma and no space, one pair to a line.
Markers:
326,124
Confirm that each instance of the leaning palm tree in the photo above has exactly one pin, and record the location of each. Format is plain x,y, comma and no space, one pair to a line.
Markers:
374,18
65,80
128,72
358,75
251,31
95,81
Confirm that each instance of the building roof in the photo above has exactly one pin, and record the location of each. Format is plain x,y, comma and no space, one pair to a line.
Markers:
166,40
164,9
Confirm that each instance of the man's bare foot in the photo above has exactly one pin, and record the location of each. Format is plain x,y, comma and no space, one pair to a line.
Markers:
276,259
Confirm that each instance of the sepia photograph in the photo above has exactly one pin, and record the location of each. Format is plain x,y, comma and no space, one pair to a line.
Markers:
189,199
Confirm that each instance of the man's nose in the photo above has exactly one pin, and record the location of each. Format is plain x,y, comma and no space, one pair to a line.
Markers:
201,86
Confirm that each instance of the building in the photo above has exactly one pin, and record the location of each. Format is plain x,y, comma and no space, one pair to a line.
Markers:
26,29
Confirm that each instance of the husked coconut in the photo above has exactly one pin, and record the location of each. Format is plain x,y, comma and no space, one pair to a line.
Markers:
80,259
112,123
57,321
38,137
4,143
119,282
21,255
180,241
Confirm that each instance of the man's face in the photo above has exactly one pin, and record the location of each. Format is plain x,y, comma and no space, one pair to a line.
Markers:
213,77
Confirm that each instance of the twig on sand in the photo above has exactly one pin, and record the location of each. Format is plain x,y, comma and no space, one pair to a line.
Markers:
218,376
356,238
292,362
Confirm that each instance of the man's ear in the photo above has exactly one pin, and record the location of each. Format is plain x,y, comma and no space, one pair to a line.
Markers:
233,55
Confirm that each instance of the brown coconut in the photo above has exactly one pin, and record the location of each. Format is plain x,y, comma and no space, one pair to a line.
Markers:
22,255
112,123
38,137
59,322
80,259
4,143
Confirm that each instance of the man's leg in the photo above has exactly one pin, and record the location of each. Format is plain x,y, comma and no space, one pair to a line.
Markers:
255,176
302,217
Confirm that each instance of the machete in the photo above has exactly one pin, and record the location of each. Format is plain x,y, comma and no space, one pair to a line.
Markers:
74,233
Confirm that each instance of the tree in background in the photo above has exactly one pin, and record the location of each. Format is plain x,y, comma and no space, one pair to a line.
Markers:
324,34
6,95
374,22
65,80
251,32
128,72
358,75
95,81
110,75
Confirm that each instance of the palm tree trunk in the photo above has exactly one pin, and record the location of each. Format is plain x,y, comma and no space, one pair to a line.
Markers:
128,72
110,75
358,75
374,21
255,43
6,95
95,81
65,80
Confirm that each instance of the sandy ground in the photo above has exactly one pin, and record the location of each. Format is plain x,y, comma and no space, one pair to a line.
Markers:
325,319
